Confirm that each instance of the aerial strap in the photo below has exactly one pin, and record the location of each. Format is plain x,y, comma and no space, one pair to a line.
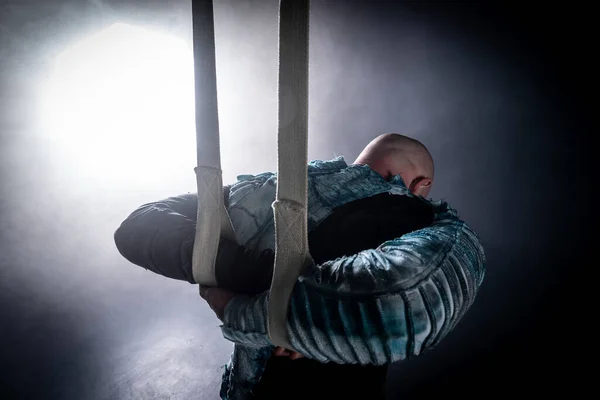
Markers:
290,206
212,218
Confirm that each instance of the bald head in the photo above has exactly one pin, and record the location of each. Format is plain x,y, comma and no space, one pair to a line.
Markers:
393,154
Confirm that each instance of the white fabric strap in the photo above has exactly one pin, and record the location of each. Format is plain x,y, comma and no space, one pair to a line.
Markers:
291,250
291,242
212,218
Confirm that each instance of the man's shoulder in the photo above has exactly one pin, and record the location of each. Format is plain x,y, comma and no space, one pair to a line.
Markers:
315,167
267,181
330,184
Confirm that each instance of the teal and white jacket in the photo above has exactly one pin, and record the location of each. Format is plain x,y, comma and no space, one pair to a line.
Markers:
378,306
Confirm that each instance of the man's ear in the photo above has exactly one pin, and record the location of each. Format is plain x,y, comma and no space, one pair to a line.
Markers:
421,186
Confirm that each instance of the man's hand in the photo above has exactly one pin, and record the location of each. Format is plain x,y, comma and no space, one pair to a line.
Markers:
216,298
281,352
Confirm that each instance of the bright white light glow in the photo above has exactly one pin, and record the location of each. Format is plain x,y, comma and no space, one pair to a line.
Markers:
120,106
